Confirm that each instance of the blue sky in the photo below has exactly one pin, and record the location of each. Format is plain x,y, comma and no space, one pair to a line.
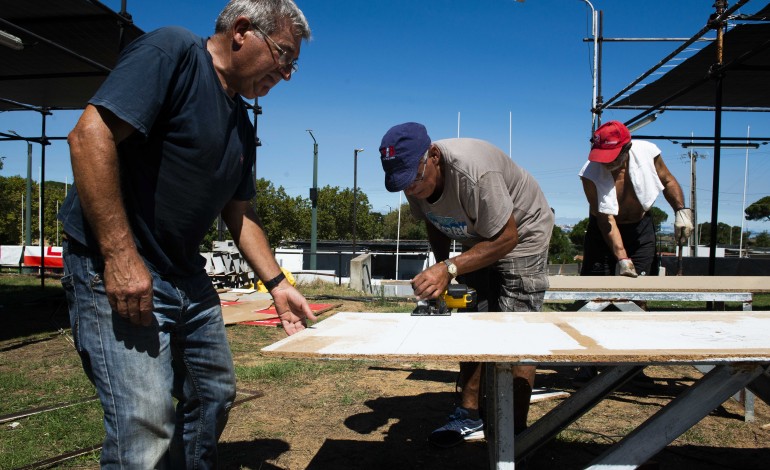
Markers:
372,64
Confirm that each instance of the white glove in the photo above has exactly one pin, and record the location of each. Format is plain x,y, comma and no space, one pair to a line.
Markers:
683,225
626,268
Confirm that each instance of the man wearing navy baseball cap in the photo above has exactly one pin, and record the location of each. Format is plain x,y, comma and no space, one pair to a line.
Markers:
470,191
621,180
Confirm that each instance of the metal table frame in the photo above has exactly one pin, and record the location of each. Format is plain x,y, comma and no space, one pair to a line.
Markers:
719,384
624,301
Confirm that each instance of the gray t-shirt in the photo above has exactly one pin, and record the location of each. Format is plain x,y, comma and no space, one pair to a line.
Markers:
482,188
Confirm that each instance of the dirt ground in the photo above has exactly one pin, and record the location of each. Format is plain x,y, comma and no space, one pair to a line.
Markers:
378,416
354,415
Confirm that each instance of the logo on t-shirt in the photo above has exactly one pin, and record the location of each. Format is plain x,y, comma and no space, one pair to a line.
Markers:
452,228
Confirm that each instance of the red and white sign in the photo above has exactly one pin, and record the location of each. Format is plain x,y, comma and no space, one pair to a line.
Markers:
53,256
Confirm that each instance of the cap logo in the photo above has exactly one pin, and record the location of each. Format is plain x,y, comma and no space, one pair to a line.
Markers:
388,153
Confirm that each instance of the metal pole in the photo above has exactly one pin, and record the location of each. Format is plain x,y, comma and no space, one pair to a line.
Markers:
355,194
596,64
44,142
314,206
694,203
599,99
398,231
720,6
28,208
743,205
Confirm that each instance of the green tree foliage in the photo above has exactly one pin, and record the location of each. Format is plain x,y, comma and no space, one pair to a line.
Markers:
759,210
12,190
762,240
335,215
578,233
560,249
410,229
283,217
658,217
726,235
54,197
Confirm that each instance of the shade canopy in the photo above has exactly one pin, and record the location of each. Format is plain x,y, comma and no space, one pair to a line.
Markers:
69,48
746,67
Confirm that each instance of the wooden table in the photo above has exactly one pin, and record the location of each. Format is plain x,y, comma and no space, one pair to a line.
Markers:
600,292
736,345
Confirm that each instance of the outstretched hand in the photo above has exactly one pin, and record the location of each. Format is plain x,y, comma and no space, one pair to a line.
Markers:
292,308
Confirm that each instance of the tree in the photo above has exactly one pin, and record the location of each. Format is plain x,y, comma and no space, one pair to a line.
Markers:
658,217
12,190
410,228
560,250
283,217
725,233
762,240
578,233
759,210
335,215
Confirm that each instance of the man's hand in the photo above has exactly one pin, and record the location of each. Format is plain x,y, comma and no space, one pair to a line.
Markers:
432,282
626,268
129,288
683,225
292,308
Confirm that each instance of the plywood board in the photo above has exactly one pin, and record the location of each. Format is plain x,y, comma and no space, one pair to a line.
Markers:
545,338
236,312
755,284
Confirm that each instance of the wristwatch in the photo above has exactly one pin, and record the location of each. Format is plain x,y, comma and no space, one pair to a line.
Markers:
451,268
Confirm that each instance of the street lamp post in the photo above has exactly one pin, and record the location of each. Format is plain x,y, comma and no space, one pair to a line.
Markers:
314,205
355,194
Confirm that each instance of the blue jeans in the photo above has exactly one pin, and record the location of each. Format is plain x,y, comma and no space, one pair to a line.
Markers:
138,371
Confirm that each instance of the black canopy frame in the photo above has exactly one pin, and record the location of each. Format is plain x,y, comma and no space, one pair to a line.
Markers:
730,74
56,56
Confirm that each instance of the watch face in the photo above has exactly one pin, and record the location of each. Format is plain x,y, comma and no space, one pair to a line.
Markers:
451,268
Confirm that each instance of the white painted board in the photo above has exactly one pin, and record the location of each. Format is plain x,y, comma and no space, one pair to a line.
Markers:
552,337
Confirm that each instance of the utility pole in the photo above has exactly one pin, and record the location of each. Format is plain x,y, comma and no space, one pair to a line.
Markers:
355,194
693,156
693,203
314,206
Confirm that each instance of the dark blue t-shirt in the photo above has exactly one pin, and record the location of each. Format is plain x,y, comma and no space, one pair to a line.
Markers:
192,153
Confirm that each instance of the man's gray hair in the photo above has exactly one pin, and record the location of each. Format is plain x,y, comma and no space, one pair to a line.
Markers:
266,14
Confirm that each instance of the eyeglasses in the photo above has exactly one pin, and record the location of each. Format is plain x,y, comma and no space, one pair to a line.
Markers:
286,64
425,167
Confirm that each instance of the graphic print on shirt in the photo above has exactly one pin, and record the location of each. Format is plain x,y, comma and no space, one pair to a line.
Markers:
452,228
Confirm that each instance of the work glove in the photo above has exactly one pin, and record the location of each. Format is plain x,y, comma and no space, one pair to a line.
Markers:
626,268
683,225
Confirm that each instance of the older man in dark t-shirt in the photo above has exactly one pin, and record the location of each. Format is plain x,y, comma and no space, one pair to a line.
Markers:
162,149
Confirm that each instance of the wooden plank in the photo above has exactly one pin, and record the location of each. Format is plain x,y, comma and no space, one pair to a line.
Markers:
755,284
703,337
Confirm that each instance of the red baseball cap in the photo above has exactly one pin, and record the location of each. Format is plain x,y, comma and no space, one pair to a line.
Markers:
608,141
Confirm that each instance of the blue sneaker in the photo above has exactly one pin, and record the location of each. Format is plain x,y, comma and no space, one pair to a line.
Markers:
459,429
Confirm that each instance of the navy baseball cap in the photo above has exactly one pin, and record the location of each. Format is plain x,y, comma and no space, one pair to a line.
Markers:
401,150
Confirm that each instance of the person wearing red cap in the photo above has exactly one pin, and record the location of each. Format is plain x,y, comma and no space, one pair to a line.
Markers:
470,191
621,180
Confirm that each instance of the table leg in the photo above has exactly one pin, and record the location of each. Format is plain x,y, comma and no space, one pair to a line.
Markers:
499,422
677,417
569,410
